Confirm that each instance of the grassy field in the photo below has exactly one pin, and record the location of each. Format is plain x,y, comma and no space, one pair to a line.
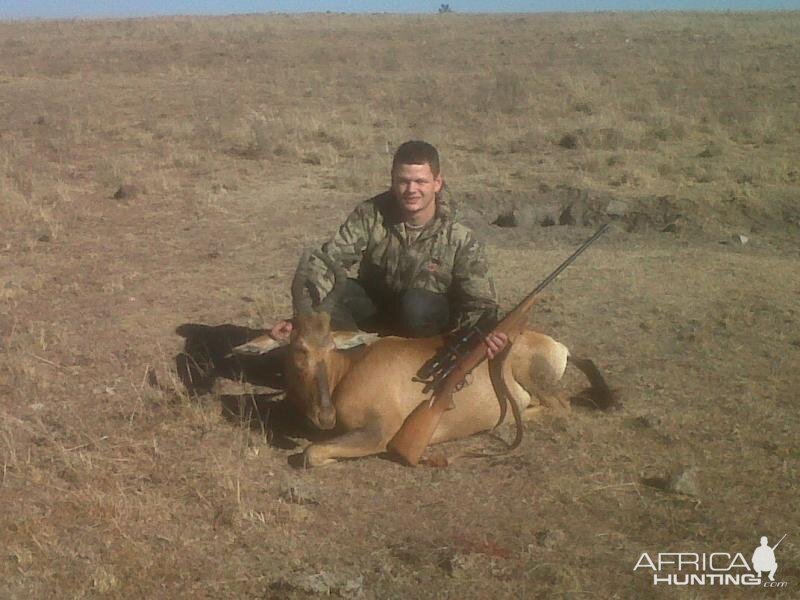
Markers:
163,172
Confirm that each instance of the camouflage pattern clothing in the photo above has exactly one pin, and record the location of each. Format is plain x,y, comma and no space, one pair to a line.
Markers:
442,257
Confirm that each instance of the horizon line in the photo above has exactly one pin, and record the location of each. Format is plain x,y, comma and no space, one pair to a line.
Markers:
632,11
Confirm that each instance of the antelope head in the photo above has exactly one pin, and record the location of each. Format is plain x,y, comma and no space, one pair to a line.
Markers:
313,365
311,346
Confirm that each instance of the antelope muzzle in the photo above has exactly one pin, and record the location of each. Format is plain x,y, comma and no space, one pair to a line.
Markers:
323,413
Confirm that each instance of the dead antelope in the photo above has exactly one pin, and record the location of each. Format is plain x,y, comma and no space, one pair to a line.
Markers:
367,391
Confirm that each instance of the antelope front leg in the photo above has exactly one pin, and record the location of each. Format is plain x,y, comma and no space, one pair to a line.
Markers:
356,443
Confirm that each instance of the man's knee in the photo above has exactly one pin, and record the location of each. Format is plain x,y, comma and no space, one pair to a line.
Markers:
354,309
423,313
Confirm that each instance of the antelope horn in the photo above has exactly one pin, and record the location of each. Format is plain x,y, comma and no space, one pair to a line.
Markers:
301,302
339,282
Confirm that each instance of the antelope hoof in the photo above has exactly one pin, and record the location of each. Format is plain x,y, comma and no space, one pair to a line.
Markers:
558,404
314,456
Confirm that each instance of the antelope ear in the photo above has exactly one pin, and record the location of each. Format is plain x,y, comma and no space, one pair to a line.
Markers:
259,345
344,340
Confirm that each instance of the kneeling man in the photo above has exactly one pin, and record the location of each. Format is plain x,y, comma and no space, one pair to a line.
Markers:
421,272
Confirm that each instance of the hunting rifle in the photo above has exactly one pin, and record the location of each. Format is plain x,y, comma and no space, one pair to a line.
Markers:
446,373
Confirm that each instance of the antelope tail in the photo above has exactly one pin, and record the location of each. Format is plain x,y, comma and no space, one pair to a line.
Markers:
599,393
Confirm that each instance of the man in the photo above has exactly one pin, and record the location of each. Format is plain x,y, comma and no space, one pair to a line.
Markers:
764,558
421,273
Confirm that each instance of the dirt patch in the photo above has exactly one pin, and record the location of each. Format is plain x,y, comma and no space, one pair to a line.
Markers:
568,206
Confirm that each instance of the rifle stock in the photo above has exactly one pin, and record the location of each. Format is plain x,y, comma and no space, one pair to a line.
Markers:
416,432
414,436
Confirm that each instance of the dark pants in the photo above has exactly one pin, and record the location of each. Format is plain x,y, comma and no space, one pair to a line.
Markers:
413,313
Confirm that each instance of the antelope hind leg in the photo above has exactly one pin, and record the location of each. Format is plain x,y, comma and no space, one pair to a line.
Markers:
556,402
551,397
359,442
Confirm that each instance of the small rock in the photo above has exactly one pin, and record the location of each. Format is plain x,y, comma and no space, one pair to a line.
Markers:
646,421
740,238
323,582
671,228
617,208
319,583
125,191
352,588
683,481
549,538
686,483
566,217
45,237
507,219
568,141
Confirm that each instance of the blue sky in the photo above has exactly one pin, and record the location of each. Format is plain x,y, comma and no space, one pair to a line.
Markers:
22,9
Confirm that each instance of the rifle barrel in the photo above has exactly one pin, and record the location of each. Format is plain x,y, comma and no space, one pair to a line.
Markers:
440,367
569,261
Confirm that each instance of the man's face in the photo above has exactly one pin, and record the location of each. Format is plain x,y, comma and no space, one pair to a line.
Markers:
415,188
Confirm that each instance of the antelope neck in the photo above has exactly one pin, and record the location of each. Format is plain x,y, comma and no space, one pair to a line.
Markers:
340,364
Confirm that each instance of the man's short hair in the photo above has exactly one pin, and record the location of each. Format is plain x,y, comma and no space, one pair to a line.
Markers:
416,153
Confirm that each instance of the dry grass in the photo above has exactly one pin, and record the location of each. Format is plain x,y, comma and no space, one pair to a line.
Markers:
158,172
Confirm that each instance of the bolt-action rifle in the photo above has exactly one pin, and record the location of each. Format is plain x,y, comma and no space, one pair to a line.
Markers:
434,372
446,372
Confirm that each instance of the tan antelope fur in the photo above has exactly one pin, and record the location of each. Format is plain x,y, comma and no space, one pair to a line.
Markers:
366,392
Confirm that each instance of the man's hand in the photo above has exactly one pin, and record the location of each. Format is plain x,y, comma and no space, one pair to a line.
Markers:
281,330
495,344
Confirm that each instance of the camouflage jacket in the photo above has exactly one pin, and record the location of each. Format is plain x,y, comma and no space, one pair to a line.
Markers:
444,257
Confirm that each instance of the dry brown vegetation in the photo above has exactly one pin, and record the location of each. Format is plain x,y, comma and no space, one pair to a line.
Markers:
160,172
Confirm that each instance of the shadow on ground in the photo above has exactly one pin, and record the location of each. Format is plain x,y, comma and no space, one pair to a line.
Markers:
207,355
